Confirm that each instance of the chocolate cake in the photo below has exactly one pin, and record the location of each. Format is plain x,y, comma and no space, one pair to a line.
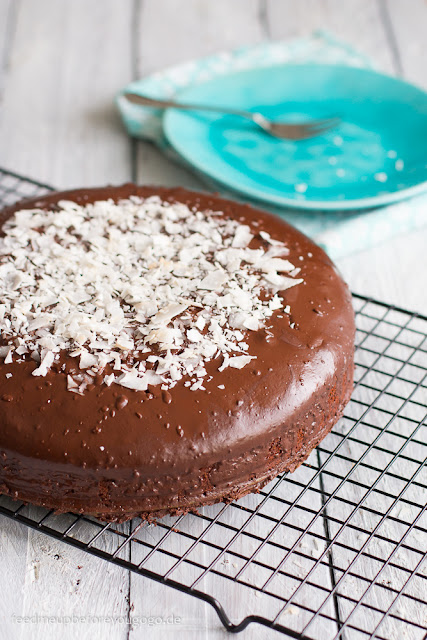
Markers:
162,350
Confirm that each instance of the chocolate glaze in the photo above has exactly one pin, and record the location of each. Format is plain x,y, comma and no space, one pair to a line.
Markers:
117,453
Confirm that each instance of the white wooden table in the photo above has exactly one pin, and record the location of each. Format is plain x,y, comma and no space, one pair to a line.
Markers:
60,65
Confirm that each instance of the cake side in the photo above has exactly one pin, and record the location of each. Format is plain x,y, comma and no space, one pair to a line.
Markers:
118,497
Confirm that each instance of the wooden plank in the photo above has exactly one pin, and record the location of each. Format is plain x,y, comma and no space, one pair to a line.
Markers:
366,474
58,123
6,33
51,588
58,120
388,272
84,596
171,32
193,29
13,568
406,23
356,22
400,35
364,25
154,168
13,536
198,28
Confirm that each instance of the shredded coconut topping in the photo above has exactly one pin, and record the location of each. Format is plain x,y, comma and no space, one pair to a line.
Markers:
152,289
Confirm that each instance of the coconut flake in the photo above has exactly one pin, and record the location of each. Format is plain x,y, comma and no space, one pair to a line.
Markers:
213,280
242,237
115,283
87,360
45,364
238,362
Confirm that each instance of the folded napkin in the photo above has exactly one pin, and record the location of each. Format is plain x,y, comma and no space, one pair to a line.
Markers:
340,233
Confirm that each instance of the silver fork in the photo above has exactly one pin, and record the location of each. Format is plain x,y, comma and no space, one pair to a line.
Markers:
286,131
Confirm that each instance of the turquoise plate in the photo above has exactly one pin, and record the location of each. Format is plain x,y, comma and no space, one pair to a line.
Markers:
376,156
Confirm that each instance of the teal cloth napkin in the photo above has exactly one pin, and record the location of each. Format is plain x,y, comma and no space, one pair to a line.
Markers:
340,233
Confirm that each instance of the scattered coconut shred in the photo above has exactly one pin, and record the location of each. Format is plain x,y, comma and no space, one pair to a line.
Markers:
108,282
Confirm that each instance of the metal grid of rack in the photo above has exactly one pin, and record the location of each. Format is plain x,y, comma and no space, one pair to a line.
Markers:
335,550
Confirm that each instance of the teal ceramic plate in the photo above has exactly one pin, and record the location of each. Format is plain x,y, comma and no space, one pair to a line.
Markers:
376,156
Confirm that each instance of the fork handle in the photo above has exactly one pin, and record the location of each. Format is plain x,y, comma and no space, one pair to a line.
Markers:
164,104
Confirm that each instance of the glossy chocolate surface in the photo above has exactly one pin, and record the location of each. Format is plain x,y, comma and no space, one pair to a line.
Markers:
116,452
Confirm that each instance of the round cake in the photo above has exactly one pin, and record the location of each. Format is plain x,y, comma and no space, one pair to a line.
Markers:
162,350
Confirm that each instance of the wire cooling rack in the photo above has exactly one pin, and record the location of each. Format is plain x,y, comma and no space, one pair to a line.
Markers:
335,550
